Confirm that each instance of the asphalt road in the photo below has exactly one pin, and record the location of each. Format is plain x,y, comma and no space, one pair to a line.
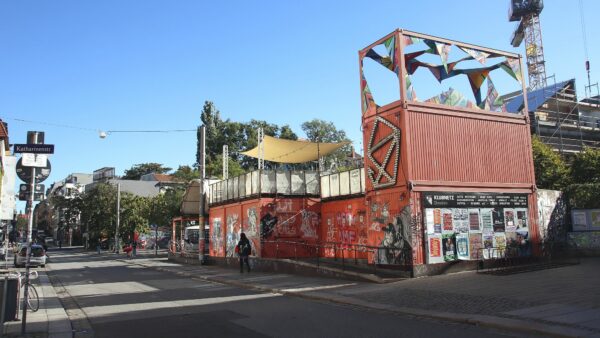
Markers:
117,299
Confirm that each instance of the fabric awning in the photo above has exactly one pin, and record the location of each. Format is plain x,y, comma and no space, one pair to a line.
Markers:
289,151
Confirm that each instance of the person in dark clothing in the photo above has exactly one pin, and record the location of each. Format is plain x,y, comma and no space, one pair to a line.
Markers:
243,249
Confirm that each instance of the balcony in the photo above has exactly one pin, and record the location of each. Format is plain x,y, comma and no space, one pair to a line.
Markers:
343,184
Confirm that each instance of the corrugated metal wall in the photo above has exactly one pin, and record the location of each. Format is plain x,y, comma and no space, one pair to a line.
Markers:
468,149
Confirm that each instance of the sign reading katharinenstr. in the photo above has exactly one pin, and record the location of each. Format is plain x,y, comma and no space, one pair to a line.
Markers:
35,148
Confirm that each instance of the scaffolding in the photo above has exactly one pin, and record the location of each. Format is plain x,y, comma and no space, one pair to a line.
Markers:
562,121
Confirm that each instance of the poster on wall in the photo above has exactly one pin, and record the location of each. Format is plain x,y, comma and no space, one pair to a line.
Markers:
437,220
435,249
447,217
469,226
462,246
595,219
498,219
509,220
579,220
500,242
474,222
487,224
488,246
448,247
461,220
521,218
475,245
429,221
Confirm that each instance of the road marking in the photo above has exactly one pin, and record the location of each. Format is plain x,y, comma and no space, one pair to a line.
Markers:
317,288
113,310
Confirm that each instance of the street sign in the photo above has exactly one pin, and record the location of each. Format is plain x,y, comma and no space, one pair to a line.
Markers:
34,148
25,192
24,172
34,160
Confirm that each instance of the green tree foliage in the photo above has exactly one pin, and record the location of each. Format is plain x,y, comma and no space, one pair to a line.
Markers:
551,171
215,168
322,131
185,173
134,215
584,196
138,170
99,210
287,133
586,166
164,207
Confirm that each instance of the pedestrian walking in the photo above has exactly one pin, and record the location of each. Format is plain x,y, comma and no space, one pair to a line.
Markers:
135,244
243,249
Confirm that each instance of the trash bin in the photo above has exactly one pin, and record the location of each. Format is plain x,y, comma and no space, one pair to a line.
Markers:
10,305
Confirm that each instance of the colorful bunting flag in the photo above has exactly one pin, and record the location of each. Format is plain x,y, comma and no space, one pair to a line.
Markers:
513,67
493,101
476,54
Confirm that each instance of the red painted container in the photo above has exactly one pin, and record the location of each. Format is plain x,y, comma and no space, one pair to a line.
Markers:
344,230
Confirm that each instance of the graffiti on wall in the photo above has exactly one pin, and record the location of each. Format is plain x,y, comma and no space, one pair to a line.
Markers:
396,240
283,218
310,221
252,229
589,240
233,233
216,237
552,210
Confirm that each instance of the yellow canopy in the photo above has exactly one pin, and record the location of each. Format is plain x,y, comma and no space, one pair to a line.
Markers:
288,151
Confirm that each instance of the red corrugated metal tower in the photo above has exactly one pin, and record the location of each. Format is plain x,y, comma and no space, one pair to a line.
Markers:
445,169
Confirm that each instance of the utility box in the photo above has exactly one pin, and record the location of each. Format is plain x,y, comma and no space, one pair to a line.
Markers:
9,298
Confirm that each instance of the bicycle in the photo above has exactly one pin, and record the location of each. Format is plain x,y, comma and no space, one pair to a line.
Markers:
33,299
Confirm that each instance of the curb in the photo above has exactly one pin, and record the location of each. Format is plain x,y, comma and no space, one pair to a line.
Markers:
508,324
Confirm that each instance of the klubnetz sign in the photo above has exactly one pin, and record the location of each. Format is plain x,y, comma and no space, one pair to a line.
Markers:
473,199
34,148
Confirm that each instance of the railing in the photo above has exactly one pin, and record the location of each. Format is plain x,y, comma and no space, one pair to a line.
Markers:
345,183
528,258
296,182
346,254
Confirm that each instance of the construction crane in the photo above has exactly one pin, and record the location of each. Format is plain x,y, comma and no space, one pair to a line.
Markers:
527,12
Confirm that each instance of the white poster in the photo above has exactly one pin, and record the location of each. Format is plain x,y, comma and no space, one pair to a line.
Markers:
429,221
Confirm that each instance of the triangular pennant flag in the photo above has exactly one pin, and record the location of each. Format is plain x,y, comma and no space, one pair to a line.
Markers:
385,61
367,98
476,80
409,40
513,67
441,49
410,91
476,54
493,101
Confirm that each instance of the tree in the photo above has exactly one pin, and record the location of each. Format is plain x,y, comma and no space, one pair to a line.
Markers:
325,132
138,170
164,207
551,171
586,166
287,133
134,215
185,173
98,211
215,168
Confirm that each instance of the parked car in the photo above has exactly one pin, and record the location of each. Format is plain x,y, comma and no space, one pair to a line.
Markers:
38,256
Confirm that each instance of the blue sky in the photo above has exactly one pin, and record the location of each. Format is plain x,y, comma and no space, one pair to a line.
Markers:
150,65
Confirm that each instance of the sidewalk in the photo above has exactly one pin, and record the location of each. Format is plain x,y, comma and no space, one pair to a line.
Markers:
563,301
49,321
